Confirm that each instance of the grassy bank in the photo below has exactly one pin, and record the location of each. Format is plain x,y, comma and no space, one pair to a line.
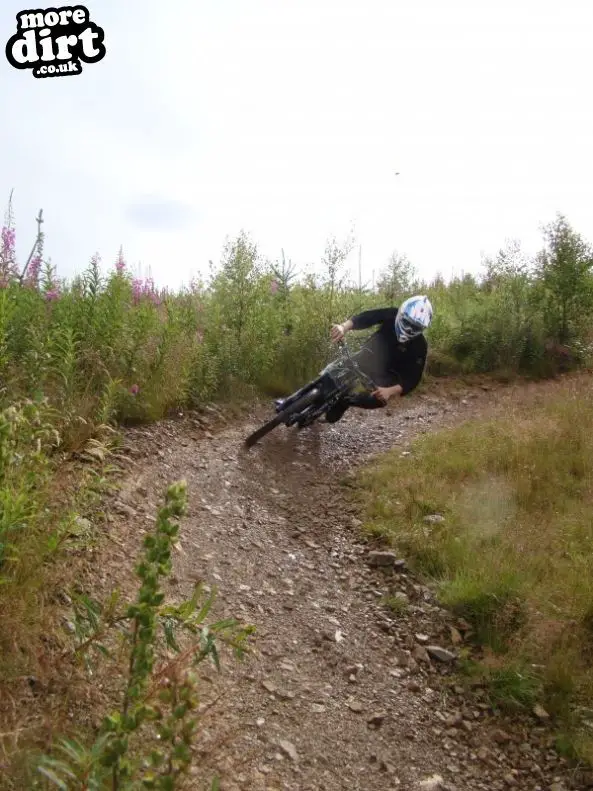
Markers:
513,553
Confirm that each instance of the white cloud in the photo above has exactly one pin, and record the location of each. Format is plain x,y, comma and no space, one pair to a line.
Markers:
290,119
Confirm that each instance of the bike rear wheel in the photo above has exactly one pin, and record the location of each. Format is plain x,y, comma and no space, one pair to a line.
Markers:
296,406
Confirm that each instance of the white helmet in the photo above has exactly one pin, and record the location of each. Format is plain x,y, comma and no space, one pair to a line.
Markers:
413,317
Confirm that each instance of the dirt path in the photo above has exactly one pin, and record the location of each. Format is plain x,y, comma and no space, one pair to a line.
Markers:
341,693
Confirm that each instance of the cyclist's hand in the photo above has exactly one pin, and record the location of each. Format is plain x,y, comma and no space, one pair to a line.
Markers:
382,394
337,333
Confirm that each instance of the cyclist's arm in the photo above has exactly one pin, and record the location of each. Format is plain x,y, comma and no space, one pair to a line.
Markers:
368,318
364,320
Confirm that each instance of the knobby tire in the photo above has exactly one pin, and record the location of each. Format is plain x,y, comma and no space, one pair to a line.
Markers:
299,404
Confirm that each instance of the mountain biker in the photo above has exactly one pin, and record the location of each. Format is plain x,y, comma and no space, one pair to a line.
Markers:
394,357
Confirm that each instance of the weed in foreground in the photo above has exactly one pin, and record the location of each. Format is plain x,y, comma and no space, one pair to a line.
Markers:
146,743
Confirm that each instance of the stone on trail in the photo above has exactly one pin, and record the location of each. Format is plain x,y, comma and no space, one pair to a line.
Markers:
441,654
433,519
456,637
434,783
124,509
382,559
376,720
289,749
285,694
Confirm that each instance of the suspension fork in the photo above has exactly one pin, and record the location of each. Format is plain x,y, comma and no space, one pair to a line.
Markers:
298,393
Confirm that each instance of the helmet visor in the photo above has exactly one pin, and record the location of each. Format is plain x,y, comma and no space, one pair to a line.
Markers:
409,327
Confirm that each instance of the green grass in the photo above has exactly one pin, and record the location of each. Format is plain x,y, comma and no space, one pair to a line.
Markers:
397,605
513,556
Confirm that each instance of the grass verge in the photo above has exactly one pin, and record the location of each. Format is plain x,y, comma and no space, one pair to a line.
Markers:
511,551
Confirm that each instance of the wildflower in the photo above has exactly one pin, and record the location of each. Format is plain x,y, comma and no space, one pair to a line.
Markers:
120,263
7,255
200,336
145,288
150,291
274,286
136,290
52,294
8,239
134,390
33,271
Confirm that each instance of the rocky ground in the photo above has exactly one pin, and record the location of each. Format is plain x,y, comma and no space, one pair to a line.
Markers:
341,692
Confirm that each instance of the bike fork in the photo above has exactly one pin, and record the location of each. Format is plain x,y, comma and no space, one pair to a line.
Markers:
282,403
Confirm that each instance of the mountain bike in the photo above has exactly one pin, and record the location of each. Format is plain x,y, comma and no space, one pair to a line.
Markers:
306,405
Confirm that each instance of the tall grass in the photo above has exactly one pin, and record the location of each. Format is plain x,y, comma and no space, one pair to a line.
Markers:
513,553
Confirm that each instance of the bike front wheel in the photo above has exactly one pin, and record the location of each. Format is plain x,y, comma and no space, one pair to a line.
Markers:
301,403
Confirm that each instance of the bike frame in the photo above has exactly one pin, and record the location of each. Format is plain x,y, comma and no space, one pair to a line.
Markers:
334,381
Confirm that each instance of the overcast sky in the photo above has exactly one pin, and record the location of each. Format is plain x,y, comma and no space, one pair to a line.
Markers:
290,118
